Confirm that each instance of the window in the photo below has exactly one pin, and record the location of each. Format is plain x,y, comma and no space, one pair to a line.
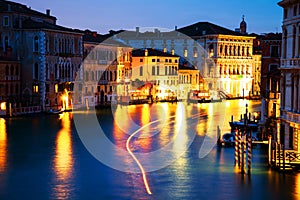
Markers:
153,60
17,89
36,71
5,43
273,67
166,70
141,60
166,60
153,70
17,71
176,61
47,88
170,60
285,13
36,44
86,76
158,60
5,21
6,70
141,71
157,70
274,51
185,53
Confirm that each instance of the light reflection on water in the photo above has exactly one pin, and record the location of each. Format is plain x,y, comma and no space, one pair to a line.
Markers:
3,145
63,159
74,174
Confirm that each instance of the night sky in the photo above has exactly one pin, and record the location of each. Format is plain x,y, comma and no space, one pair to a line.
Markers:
262,16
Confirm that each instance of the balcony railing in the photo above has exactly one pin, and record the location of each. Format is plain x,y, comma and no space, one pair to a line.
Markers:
273,95
292,117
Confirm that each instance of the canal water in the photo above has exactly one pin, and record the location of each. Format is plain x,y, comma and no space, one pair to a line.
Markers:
43,157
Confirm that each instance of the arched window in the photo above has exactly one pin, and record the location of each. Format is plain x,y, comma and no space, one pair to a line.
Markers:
12,70
17,70
141,71
55,71
36,44
7,70
47,71
17,89
5,43
153,70
110,76
86,76
36,71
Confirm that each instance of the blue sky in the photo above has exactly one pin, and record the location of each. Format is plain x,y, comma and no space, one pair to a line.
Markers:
262,16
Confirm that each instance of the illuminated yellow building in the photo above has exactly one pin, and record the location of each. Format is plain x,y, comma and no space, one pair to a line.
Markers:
224,57
157,71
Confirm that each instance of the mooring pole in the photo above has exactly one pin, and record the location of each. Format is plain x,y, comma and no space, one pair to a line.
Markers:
283,161
249,152
236,147
269,150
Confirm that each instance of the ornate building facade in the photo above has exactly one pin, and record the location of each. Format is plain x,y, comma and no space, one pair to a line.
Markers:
224,57
106,71
49,54
289,129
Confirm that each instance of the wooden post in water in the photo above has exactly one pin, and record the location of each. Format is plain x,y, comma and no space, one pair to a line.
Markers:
275,154
236,147
249,152
244,154
283,159
10,110
269,150
279,155
240,148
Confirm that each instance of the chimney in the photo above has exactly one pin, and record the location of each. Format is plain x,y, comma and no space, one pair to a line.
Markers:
94,34
146,52
48,12
137,31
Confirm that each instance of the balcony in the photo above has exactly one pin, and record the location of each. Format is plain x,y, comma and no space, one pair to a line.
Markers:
290,63
272,95
290,116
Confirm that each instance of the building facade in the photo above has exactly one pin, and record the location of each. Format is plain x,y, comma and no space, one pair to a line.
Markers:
224,57
49,54
269,47
106,70
289,128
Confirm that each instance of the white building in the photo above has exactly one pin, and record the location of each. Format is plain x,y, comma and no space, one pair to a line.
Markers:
224,57
289,130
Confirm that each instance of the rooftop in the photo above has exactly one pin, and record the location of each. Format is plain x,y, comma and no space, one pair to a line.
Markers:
206,28
151,52
9,6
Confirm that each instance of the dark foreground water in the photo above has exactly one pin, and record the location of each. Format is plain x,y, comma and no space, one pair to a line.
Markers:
43,157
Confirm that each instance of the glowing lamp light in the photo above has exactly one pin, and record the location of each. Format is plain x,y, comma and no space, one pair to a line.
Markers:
3,106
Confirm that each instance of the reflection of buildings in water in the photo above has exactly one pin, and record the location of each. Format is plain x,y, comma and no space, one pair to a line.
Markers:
3,145
63,160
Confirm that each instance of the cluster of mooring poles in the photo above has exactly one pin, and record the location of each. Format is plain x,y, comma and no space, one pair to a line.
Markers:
243,146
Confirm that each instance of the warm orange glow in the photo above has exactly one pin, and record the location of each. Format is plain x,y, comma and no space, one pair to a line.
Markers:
63,161
65,99
3,106
56,88
136,160
297,186
3,145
